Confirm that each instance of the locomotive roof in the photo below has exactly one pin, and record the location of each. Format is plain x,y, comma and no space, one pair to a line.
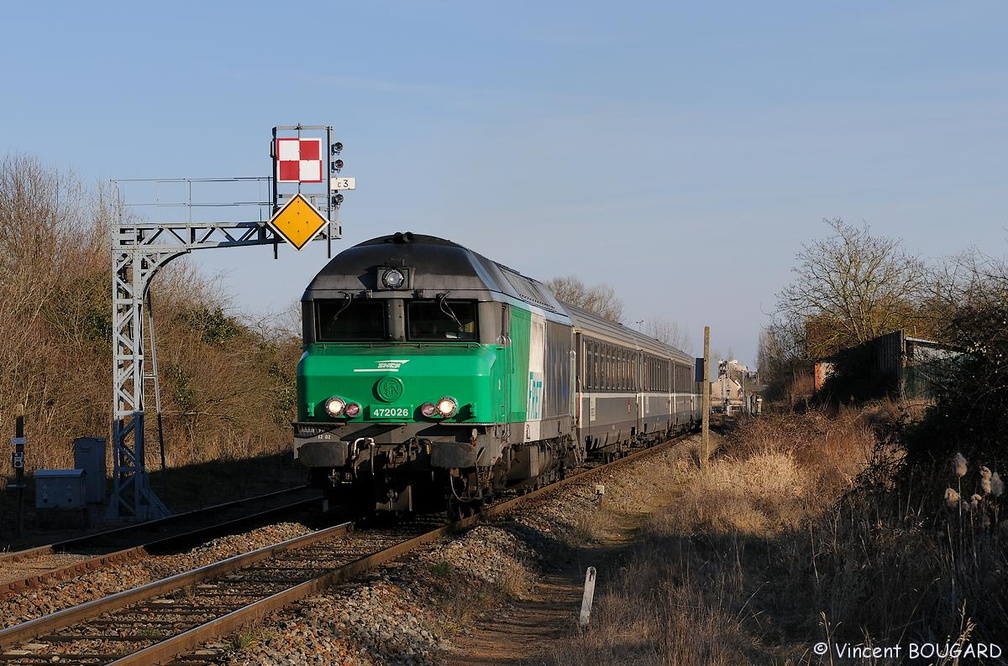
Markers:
438,265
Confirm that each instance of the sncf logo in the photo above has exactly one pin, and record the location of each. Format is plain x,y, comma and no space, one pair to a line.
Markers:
390,365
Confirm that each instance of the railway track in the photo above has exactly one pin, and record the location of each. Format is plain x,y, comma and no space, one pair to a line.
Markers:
34,567
162,620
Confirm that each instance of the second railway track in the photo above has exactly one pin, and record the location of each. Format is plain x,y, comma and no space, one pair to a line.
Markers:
36,567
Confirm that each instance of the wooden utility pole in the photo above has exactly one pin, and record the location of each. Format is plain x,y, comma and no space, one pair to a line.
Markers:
705,437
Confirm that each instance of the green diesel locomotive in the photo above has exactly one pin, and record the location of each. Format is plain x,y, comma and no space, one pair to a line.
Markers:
432,375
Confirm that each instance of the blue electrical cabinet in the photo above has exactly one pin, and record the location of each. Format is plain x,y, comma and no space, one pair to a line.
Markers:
60,489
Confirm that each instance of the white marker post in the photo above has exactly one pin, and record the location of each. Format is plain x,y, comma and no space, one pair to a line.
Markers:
586,600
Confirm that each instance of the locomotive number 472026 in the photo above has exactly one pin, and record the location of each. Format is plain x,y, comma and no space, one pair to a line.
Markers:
391,412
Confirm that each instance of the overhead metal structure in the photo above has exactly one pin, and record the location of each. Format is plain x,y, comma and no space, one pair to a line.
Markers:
140,249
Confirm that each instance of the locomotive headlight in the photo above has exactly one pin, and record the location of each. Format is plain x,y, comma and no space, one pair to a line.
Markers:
428,410
393,278
447,406
335,406
352,409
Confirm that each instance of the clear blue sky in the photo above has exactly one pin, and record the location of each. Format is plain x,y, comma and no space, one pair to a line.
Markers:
681,152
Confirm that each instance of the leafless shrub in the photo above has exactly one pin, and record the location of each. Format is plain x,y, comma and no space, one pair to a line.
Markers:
228,383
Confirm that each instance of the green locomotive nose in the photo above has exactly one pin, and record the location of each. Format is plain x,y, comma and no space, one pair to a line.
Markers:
400,383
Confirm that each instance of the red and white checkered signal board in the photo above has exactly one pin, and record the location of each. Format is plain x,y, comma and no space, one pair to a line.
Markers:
299,160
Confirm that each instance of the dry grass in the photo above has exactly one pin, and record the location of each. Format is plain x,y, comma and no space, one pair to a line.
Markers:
462,599
780,543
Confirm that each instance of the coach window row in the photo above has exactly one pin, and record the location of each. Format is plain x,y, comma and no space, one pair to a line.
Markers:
656,374
609,367
684,378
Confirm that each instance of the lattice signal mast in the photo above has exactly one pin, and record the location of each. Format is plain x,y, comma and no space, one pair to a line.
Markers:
305,175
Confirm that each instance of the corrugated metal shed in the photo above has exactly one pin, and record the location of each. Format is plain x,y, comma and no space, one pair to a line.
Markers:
900,366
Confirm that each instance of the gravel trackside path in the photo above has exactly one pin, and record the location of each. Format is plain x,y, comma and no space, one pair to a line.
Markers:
500,593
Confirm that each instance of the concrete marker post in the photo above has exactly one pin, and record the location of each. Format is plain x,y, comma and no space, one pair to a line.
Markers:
587,598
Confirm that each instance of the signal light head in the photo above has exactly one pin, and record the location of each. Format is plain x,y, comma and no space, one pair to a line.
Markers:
336,165
336,148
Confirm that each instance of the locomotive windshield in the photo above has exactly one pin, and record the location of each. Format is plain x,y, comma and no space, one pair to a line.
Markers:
350,321
441,320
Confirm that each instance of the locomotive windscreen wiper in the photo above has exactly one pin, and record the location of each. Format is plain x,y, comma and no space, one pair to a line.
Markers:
347,298
349,319
445,308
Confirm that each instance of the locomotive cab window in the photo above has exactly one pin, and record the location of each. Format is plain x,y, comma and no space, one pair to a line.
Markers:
441,320
352,320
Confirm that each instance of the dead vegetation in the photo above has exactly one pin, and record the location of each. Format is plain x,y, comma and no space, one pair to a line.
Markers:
227,381
792,535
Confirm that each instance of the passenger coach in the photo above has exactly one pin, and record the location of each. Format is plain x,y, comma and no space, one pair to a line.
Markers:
631,388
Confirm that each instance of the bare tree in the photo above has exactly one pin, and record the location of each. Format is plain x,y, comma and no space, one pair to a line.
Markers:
668,332
781,361
850,287
56,336
600,299
45,253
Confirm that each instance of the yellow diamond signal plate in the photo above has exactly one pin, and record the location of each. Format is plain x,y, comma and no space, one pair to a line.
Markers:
298,222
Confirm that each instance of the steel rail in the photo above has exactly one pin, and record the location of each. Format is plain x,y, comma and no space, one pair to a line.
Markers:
193,638
257,611
582,475
91,609
81,541
10,588
13,556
